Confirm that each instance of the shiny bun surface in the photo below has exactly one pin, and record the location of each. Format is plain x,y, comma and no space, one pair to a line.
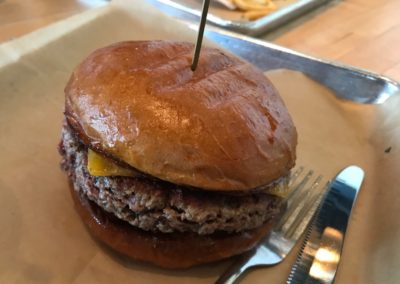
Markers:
221,127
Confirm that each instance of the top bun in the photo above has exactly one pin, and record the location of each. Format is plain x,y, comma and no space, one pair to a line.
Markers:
221,127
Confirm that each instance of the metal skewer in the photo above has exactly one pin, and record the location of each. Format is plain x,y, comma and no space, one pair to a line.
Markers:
196,53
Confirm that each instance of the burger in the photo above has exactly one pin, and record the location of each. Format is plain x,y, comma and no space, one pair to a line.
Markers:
172,166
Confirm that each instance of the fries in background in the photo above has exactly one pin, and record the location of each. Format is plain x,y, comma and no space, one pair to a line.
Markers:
252,9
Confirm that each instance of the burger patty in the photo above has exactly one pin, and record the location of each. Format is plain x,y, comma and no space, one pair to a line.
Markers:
154,205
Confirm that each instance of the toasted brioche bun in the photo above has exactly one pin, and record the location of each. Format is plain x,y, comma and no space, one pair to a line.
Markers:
221,127
169,250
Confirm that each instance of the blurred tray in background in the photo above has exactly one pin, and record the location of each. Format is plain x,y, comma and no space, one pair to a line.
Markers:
233,19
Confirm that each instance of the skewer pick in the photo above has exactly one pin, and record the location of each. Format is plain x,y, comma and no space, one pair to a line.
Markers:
196,53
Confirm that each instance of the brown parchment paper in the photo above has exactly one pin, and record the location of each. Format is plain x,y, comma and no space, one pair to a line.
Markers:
42,239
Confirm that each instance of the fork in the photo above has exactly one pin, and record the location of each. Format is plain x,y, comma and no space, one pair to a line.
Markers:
302,201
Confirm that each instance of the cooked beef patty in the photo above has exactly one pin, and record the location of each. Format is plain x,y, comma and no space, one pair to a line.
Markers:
154,205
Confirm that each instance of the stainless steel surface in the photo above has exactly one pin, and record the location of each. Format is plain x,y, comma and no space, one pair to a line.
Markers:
347,82
188,9
200,32
301,204
320,255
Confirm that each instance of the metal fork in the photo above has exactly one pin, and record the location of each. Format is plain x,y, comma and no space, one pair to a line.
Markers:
302,201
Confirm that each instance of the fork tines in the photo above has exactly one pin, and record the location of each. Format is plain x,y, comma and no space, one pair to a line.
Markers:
301,201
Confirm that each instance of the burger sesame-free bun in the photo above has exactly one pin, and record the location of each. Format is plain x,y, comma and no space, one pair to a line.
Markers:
221,127
169,250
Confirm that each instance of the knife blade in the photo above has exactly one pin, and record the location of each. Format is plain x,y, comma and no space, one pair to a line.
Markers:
320,253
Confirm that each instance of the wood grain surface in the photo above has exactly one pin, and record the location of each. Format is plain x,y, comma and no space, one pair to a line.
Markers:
18,17
363,33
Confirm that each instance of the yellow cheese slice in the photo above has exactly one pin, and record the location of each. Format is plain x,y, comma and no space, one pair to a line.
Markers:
99,165
281,190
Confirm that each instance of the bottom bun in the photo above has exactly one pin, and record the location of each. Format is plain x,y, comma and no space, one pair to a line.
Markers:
169,250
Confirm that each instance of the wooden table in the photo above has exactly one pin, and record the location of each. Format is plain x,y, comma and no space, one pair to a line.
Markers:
363,33
18,17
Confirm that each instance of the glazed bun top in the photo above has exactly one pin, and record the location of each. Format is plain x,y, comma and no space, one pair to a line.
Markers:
221,127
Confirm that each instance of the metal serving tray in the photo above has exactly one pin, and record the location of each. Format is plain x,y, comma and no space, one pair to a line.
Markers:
222,17
347,82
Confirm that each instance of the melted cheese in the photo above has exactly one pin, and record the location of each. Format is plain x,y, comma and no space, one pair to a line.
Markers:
281,190
99,165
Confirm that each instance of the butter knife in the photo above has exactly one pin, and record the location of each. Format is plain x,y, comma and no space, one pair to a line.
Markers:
319,257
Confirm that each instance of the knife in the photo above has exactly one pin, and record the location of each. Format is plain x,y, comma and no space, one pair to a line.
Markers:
319,257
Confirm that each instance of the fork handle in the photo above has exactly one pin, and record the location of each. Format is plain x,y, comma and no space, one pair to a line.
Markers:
235,271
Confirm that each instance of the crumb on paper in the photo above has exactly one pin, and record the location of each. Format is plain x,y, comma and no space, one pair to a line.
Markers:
388,149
